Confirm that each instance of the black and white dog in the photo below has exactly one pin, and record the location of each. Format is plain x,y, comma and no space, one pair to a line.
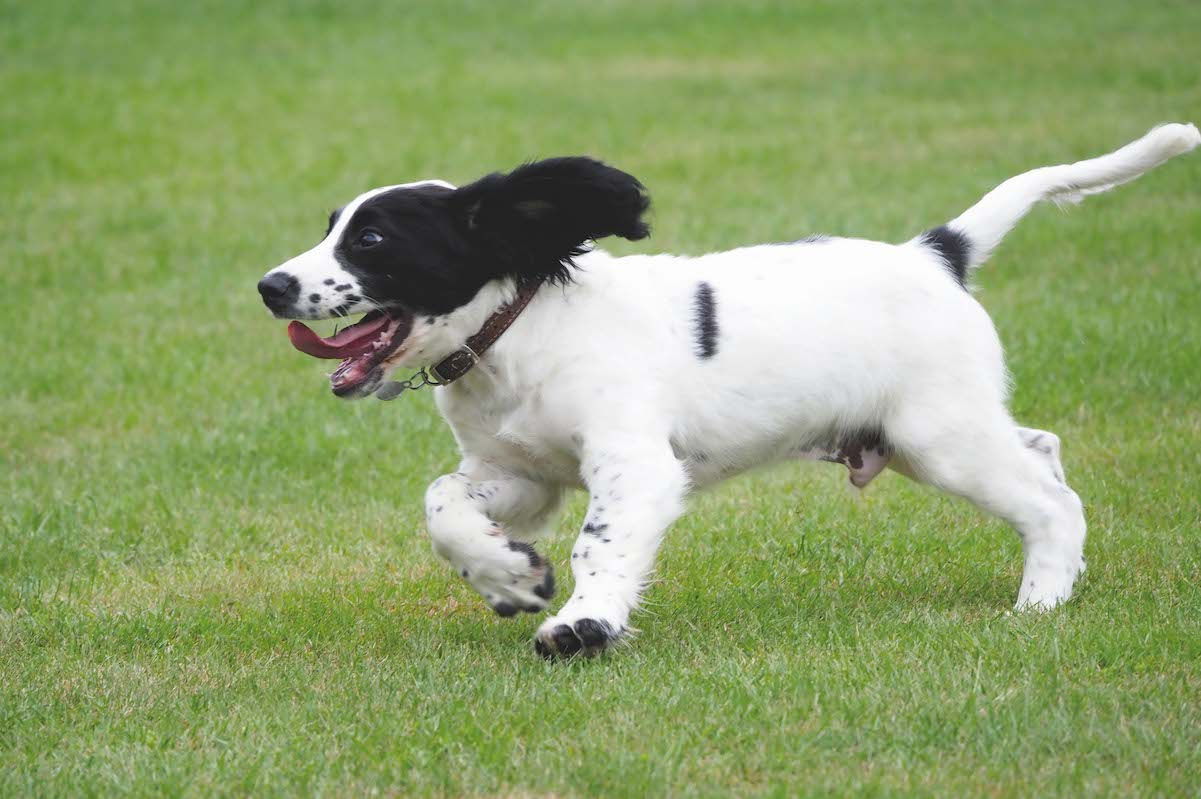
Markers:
647,377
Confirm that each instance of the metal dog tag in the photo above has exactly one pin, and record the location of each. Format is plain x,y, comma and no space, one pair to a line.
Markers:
390,391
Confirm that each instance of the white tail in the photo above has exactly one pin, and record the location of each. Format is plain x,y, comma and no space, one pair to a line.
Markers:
984,224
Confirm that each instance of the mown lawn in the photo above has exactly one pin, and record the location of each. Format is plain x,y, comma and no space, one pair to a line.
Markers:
213,575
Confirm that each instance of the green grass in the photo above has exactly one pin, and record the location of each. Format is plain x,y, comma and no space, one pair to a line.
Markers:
213,575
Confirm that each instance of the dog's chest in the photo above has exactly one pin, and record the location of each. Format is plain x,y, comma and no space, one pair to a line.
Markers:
517,432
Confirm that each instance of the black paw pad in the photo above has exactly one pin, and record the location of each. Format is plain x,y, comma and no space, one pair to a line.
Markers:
566,641
594,634
505,609
588,637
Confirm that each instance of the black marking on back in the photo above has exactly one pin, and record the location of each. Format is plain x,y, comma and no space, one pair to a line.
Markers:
952,247
704,306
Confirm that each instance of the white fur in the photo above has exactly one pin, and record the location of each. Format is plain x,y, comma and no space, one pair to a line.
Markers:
599,385
995,215
813,339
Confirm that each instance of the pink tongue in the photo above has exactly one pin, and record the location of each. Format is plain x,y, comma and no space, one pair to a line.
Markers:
352,341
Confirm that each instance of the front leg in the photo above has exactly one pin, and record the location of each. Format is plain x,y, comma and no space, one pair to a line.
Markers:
464,517
636,492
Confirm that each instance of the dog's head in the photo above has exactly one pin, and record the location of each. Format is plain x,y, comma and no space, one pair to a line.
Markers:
419,251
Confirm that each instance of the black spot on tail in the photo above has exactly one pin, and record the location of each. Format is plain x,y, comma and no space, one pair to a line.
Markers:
704,306
952,247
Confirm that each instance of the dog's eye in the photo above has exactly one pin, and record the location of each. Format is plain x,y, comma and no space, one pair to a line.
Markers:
369,238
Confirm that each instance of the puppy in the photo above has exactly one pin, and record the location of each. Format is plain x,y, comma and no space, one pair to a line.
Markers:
641,379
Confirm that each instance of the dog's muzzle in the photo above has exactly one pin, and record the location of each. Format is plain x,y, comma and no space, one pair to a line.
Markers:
279,291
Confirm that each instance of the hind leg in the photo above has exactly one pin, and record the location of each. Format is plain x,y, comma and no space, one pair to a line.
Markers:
986,459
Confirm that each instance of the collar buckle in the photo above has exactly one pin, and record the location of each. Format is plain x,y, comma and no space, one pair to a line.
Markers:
455,363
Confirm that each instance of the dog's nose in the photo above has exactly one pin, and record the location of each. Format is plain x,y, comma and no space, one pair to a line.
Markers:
279,290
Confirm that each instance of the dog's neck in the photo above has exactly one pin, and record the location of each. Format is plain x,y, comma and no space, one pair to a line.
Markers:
448,334
463,359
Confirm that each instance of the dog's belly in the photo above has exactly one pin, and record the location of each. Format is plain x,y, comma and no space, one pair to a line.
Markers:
864,455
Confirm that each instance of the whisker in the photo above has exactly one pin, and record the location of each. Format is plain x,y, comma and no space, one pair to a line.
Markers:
375,306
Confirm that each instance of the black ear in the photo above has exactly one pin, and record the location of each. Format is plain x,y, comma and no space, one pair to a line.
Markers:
535,219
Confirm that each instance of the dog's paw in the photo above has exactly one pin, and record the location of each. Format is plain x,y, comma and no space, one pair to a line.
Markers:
510,575
516,578
1049,585
557,638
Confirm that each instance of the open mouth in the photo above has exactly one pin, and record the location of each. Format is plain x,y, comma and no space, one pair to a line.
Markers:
363,347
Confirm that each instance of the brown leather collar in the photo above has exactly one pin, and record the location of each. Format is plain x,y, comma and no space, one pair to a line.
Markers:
460,362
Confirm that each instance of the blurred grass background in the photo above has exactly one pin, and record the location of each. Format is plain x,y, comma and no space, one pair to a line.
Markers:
213,575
